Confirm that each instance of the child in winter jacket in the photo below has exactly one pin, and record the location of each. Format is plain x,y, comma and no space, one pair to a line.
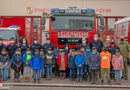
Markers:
17,62
117,63
87,71
4,64
26,63
56,53
49,63
71,65
62,64
80,61
94,64
36,64
105,65
43,60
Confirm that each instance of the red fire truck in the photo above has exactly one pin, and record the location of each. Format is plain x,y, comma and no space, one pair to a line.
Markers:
27,27
122,28
69,26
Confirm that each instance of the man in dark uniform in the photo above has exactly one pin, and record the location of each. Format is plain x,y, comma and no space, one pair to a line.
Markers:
84,43
47,45
11,48
97,43
35,45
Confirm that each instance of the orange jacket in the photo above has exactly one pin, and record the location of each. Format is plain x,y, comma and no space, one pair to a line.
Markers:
105,59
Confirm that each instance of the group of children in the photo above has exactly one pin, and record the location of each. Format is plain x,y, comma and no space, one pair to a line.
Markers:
85,63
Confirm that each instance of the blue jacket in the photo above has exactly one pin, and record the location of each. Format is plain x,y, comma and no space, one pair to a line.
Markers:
16,60
86,54
46,46
71,62
33,47
97,44
94,61
79,59
24,58
36,63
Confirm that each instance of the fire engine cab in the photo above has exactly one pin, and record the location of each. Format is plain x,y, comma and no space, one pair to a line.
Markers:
69,26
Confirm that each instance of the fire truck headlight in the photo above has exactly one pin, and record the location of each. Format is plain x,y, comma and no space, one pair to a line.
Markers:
83,11
62,11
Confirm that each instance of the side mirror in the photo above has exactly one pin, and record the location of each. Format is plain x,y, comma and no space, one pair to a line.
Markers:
43,20
53,18
102,20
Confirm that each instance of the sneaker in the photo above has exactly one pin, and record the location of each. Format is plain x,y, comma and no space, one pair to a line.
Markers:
38,81
102,81
8,77
126,78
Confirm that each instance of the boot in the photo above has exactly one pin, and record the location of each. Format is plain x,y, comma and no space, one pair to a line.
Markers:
109,82
34,80
77,79
102,81
64,75
81,80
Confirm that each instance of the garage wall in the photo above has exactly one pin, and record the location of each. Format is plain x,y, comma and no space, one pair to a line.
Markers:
37,7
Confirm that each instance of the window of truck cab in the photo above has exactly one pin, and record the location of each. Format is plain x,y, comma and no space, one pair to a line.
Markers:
73,22
7,34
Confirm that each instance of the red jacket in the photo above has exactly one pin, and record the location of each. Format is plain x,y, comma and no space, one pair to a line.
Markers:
59,60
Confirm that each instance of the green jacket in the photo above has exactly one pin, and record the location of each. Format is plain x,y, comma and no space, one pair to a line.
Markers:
124,48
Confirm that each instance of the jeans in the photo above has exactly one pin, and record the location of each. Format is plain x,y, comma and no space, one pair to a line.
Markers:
43,72
49,70
36,73
72,73
117,75
87,71
4,74
79,72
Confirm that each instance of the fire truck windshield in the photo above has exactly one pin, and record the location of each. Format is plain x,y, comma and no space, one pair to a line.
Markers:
69,22
6,34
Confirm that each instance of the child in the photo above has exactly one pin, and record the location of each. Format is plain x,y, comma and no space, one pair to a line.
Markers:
94,64
87,72
26,63
80,61
56,53
71,65
36,64
105,65
62,63
17,62
117,63
4,63
49,63
43,60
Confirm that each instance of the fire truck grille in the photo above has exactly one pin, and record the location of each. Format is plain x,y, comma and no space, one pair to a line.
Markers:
69,41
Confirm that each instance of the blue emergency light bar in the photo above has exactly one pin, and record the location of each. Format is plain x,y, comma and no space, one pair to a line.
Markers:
58,11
